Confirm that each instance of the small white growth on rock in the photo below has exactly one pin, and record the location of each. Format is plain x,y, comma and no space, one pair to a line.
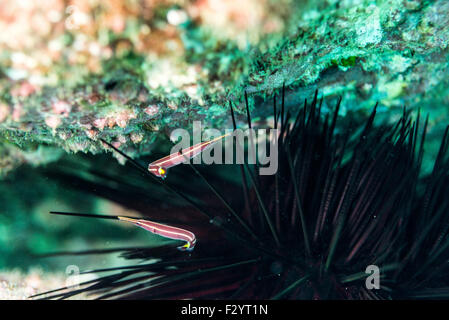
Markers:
136,137
121,138
369,30
53,121
176,17
399,63
151,110
61,107
100,123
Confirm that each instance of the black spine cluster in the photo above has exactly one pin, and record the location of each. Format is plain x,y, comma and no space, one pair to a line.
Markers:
345,196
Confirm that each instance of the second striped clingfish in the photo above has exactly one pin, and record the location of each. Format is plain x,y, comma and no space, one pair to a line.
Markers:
154,227
165,231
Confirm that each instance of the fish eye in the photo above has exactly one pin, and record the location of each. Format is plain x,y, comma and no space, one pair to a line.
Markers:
162,171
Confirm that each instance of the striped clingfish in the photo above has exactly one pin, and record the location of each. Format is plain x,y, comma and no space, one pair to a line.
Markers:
159,167
165,231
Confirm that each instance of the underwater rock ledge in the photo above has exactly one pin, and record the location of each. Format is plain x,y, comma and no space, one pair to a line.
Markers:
394,52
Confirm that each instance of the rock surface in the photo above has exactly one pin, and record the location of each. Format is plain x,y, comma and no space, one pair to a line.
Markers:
129,74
